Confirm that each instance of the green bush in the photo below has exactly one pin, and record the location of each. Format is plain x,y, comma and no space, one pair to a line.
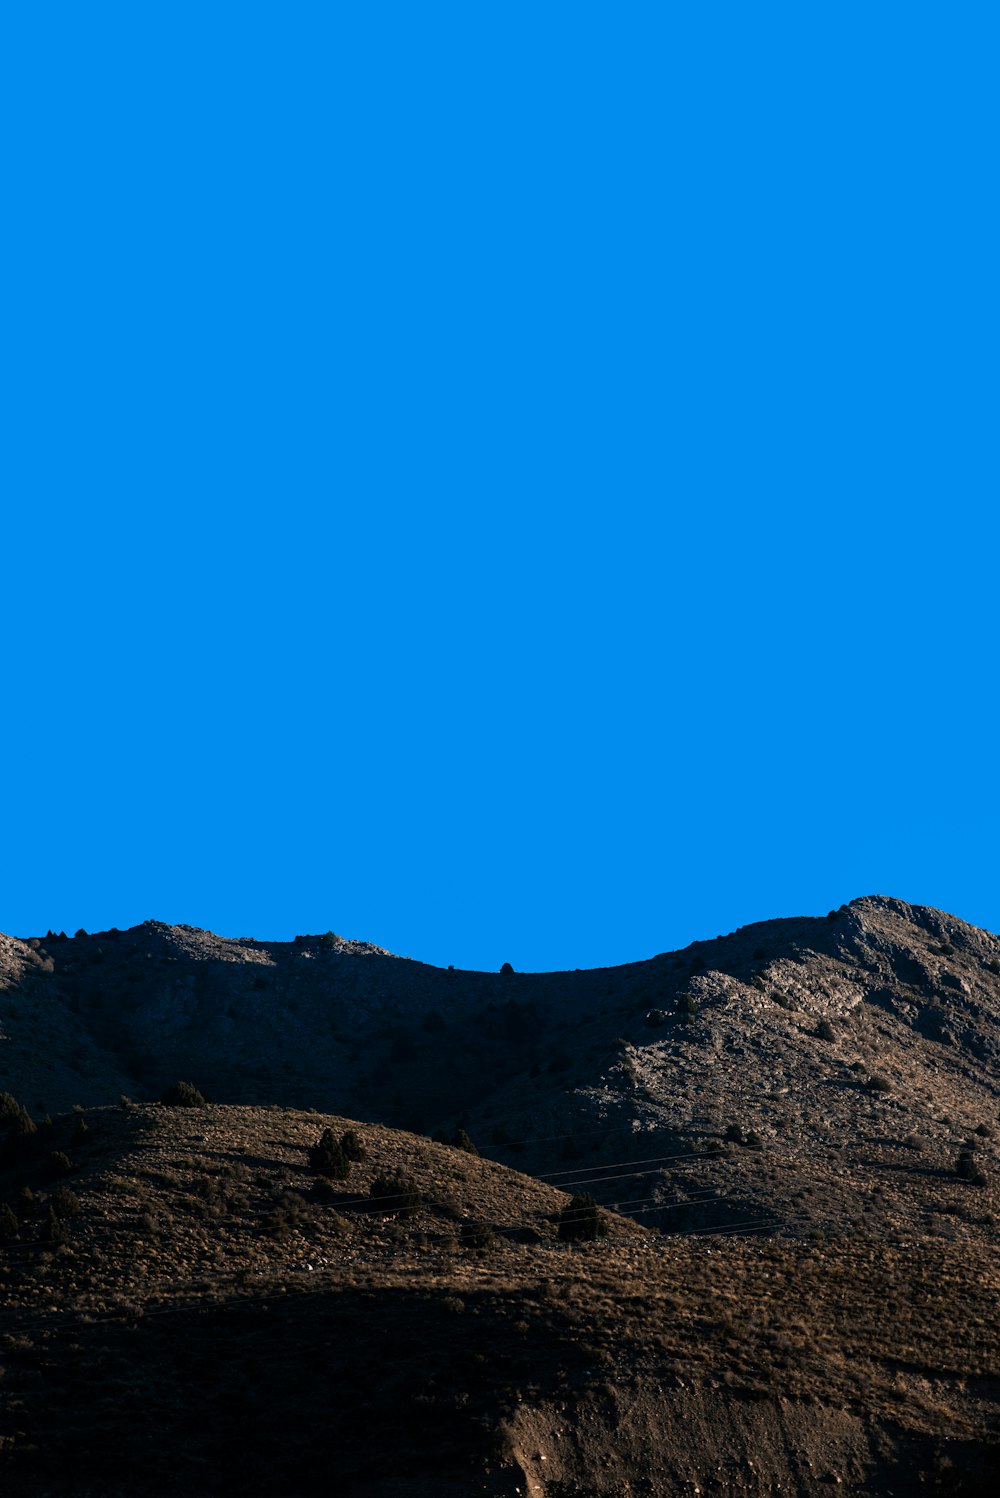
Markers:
396,1194
825,1031
183,1095
9,1225
582,1220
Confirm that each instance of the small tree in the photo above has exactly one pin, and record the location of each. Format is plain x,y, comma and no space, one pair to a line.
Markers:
9,1225
461,1141
582,1220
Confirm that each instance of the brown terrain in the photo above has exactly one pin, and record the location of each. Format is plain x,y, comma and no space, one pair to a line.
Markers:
791,1130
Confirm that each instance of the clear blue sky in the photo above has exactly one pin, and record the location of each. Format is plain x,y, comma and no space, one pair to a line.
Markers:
506,482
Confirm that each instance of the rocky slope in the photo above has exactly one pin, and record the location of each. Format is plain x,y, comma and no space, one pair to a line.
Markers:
817,1074
213,1324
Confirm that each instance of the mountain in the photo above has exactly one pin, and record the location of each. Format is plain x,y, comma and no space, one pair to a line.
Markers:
792,1130
824,1072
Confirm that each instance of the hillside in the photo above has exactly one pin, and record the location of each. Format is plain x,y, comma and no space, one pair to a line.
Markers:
212,1324
795,1124
824,1072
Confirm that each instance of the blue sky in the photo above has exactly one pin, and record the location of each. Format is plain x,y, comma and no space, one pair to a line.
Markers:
509,483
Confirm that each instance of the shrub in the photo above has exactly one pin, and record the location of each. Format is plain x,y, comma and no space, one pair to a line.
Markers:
55,1165
461,1141
81,1132
327,1157
397,1195
18,1132
478,1236
56,1231
687,1005
825,1031
967,1169
351,1144
9,1225
984,1131
329,940
13,1115
655,1017
582,1220
734,1134
65,1203
506,969
877,1083
183,1095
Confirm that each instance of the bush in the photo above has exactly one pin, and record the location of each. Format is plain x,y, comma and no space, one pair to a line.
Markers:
351,1144
55,1165
478,1236
183,1095
876,1083
582,1220
967,1169
687,1005
506,969
80,1134
56,1231
329,940
327,1157
18,1132
825,1031
655,1017
461,1141
9,1225
397,1195
65,1203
